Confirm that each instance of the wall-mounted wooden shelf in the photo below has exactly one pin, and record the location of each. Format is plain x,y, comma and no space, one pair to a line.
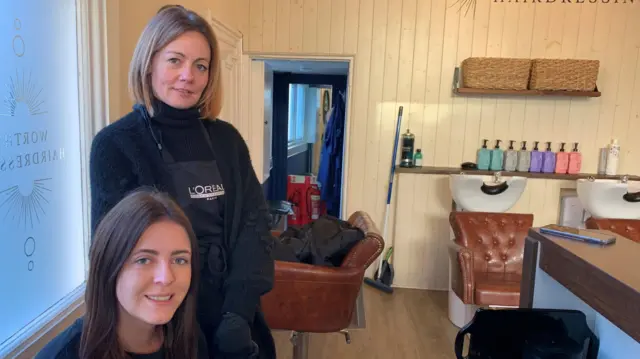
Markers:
463,91
469,91
430,170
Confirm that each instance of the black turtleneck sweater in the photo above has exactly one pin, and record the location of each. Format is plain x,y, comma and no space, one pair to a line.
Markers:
181,133
124,156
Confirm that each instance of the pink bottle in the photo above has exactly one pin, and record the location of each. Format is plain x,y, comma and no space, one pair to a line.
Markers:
562,160
575,161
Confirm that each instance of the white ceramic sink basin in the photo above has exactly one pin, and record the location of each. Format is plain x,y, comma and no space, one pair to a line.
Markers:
475,193
609,198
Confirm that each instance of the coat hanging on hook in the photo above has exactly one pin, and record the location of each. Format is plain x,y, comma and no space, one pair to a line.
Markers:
330,172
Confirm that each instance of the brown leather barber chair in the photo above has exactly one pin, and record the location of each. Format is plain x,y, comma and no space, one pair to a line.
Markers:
486,256
317,299
628,228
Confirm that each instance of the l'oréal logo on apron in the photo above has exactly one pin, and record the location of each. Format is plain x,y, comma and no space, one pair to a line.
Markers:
208,192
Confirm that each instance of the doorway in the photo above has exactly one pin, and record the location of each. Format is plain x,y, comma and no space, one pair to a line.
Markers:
308,127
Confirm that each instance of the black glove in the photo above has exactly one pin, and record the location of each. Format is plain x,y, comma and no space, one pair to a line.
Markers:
233,337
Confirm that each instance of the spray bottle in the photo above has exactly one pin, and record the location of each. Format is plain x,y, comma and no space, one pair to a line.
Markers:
408,140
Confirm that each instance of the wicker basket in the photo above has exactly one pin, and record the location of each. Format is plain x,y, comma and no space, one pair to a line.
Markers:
564,74
496,73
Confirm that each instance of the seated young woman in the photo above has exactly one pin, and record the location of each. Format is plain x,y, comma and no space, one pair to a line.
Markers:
140,297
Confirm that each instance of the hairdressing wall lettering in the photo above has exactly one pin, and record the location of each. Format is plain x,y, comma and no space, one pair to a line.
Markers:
564,1
24,203
24,154
470,5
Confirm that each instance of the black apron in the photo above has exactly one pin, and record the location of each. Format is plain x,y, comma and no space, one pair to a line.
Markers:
198,189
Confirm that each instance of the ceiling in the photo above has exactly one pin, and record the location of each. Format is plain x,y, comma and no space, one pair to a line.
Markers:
310,67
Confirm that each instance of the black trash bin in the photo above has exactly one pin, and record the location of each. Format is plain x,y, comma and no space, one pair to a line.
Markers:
528,334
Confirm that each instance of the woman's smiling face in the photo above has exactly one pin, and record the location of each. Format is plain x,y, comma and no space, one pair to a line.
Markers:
157,275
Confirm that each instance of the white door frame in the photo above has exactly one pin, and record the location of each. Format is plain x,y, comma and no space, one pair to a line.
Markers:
347,119
233,38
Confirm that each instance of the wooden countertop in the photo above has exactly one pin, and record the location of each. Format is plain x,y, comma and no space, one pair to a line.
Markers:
433,170
607,278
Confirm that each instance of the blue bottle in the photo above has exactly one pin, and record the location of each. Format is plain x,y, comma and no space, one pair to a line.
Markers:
497,157
536,159
484,157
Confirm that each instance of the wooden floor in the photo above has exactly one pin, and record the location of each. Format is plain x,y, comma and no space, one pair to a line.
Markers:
408,324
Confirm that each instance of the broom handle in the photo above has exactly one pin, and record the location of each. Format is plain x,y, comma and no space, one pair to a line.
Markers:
390,190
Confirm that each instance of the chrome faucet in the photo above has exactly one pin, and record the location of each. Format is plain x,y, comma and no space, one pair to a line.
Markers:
497,176
624,179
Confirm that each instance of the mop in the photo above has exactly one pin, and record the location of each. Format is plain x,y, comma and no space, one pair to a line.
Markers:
383,277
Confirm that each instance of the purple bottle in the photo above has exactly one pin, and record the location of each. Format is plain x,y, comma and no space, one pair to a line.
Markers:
548,160
536,159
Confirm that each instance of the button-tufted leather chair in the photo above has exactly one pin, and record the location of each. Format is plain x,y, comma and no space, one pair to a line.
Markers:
318,299
486,256
628,228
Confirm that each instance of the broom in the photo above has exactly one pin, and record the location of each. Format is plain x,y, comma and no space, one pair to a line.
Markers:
383,277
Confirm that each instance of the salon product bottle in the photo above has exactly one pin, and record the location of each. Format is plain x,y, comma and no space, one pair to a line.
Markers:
613,155
602,160
408,140
575,161
536,159
417,158
497,157
484,157
548,160
562,160
510,158
524,158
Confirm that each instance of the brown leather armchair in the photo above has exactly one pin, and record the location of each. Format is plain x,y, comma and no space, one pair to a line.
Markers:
486,256
628,228
317,299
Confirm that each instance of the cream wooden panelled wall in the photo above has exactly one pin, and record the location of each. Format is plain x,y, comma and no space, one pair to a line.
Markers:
405,54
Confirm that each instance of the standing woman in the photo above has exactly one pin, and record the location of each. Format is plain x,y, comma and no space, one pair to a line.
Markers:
172,140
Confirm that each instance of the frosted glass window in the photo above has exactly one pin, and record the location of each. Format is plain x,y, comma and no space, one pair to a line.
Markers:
41,214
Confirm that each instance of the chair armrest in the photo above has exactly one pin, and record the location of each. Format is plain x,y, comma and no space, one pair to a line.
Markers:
363,253
462,277
367,250
310,298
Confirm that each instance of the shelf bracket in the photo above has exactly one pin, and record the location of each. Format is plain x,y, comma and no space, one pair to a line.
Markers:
456,80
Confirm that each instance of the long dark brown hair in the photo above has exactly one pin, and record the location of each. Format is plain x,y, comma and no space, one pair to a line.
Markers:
114,239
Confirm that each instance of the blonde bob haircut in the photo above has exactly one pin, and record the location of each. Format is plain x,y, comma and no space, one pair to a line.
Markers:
170,22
